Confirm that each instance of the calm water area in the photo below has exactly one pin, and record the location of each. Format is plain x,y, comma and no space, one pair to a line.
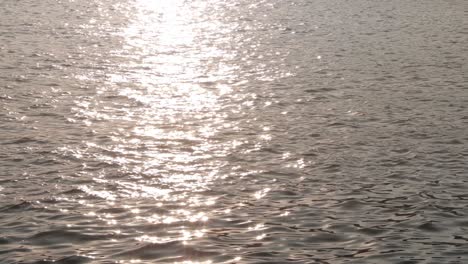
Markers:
240,131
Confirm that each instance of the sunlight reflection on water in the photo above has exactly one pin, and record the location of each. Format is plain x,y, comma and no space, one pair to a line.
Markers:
181,77
193,131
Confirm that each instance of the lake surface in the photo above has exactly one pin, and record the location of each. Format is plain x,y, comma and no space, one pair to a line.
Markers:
211,131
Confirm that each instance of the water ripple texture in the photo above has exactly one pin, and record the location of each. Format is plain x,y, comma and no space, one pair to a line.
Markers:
213,131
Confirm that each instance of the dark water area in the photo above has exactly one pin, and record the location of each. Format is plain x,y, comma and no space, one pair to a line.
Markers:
211,131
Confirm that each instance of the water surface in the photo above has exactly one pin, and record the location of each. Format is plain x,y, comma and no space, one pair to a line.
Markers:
210,131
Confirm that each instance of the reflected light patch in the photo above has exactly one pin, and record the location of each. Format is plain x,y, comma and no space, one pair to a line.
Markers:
257,227
284,214
177,216
166,105
194,262
262,193
102,194
260,237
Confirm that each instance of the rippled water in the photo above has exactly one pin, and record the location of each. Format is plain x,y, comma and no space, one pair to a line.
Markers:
211,131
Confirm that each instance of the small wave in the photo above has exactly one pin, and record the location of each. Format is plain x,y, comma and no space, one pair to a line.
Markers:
174,250
4,240
430,227
63,236
16,207
325,237
16,250
66,260
22,140
74,191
